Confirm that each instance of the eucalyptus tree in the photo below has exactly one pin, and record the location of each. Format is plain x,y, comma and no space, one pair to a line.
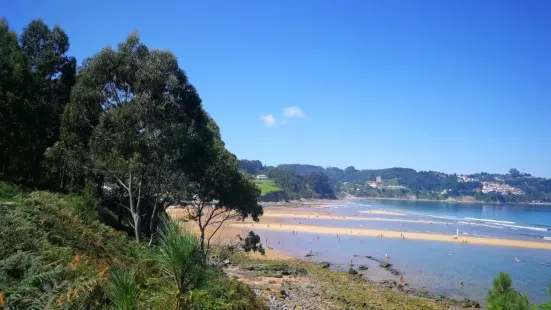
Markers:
219,193
134,120
35,83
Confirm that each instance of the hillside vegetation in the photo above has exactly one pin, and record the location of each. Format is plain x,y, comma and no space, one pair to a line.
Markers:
293,185
267,186
55,254
407,183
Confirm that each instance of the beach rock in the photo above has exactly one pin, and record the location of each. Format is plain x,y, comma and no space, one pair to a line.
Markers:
254,267
325,264
467,303
362,267
394,271
352,271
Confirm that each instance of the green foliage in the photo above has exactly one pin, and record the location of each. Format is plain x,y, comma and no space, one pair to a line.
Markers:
252,243
223,182
8,190
504,297
36,77
123,290
251,166
180,257
295,186
53,254
267,186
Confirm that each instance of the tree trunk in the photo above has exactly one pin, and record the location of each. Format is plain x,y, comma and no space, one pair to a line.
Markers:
137,227
152,225
203,254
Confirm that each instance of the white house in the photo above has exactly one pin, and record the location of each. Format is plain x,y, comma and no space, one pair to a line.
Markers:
261,177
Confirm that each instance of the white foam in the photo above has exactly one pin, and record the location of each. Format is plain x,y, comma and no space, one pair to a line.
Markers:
453,218
362,204
522,227
479,224
488,220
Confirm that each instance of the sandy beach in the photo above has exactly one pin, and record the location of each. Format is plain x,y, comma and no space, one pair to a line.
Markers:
325,230
321,216
273,220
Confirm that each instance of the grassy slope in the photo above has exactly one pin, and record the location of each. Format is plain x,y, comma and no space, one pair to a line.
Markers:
54,254
267,186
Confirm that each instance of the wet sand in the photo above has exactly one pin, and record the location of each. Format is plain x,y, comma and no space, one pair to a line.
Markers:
383,212
325,230
311,215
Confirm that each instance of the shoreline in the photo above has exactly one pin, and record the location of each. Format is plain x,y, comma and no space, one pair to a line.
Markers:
275,216
306,216
352,198
327,230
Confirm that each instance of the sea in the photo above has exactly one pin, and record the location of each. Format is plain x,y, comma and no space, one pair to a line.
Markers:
434,266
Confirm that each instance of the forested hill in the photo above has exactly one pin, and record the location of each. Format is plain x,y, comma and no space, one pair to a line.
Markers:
292,185
513,186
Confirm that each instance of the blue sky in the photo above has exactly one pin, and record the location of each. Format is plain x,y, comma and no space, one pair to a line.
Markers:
453,86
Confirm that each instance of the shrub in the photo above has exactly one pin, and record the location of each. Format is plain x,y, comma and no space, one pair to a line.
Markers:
504,297
180,257
123,289
252,242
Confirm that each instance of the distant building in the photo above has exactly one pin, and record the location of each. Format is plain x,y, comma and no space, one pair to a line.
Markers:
378,179
261,177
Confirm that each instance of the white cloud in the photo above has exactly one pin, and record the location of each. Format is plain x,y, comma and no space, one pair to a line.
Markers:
269,120
294,112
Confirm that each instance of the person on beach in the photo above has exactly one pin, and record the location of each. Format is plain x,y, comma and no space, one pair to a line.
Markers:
387,257
401,278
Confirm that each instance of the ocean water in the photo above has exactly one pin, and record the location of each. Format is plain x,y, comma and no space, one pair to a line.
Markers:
437,267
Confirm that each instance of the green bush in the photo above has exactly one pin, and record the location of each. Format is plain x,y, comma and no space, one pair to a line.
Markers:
9,191
180,257
504,297
123,289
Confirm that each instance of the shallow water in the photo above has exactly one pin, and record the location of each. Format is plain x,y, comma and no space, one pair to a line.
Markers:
437,267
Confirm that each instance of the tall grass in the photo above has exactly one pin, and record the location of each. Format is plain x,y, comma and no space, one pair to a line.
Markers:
123,289
180,257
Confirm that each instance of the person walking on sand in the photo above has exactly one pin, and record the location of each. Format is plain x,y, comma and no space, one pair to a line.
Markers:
401,278
387,257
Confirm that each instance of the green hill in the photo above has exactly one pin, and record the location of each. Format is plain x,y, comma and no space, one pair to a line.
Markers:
267,186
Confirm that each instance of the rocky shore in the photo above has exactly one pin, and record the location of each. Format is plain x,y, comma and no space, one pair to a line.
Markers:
297,284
